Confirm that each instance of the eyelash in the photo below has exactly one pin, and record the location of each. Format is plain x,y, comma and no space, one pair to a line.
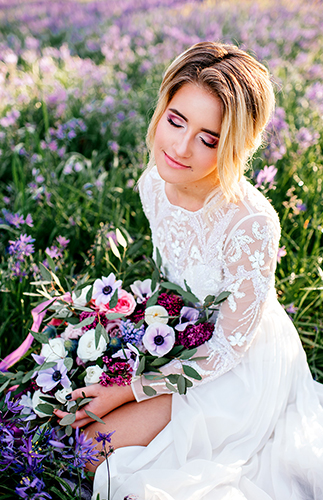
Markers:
211,146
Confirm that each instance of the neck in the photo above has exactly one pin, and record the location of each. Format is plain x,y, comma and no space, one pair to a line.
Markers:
191,197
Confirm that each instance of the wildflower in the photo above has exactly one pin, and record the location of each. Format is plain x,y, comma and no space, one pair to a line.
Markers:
195,335
104,289
63,242
159,339
84,450
103,437
142,290
22,247
50,378
188,316
291,309
281,253
266,176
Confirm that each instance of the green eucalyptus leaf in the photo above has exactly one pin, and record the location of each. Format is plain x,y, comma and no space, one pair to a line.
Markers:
188,353
94,417
69,430
68,362
100,331
191,372
68,420
159,361
181,385
171,387
152,300
139,324
141,366
149,391
173,378
40,337
114,299
221,297
28,376
114,316
158,258
87,321
45,408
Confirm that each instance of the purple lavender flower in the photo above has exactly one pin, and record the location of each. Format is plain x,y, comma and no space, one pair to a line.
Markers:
281,253
267,175
48,379
62,241
159,339
22,247
104,289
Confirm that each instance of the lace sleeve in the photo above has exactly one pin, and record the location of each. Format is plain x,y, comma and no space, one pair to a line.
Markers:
249,261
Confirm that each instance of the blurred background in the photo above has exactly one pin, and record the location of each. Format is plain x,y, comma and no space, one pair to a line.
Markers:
78,85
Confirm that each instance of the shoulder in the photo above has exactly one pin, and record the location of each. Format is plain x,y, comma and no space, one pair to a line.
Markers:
150,188
253,216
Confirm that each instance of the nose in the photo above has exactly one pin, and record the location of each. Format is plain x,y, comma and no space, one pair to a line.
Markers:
182,146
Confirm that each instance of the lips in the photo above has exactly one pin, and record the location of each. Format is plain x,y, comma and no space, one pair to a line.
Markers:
171,162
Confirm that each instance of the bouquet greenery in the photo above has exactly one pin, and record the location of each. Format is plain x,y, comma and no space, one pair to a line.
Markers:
95,332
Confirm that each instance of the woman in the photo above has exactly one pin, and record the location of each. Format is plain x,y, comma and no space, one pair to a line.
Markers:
252,428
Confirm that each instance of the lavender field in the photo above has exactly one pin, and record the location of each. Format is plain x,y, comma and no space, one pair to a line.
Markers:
78,84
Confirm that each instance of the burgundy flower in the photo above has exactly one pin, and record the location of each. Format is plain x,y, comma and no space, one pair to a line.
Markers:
103,319
172,303
195,335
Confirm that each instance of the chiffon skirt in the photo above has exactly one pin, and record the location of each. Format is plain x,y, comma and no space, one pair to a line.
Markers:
254,433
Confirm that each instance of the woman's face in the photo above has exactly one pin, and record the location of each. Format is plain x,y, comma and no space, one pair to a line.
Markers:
187,136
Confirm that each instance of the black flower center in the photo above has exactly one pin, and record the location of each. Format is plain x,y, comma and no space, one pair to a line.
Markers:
159,340
57,376
106,290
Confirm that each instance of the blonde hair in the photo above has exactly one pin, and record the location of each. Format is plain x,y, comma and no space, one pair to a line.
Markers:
242,84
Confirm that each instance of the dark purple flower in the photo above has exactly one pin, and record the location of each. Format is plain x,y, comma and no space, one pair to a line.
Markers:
195,335
84,450
172,303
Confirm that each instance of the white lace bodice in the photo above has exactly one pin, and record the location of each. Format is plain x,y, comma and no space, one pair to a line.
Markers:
233,249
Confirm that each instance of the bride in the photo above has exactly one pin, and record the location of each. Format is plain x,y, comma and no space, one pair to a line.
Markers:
252,427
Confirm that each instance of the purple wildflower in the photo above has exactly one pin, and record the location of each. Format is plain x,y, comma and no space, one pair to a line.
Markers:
103,438
104,289
62,241
22,247
281,253
188,316
48,379
32,489
84,450
266,176
159,339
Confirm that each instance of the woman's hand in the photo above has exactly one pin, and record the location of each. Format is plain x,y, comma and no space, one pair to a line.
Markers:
104,400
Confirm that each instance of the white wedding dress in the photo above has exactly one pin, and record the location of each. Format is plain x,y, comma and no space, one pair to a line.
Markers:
252,428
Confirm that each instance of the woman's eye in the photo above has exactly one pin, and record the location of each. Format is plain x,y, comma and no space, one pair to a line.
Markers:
212,143
172,121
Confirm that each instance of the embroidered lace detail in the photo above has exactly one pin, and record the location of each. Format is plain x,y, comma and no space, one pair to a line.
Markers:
234,250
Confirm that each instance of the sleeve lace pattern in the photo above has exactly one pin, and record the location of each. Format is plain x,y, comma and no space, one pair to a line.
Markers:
234,250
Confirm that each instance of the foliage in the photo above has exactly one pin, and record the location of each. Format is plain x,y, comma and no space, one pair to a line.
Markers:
78,85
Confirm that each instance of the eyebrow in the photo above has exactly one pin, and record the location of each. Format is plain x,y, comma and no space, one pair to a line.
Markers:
206,130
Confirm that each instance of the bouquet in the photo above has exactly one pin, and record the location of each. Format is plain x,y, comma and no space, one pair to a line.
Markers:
100,331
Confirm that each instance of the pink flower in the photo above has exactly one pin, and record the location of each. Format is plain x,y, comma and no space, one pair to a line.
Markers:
281,253
71,333
126,304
